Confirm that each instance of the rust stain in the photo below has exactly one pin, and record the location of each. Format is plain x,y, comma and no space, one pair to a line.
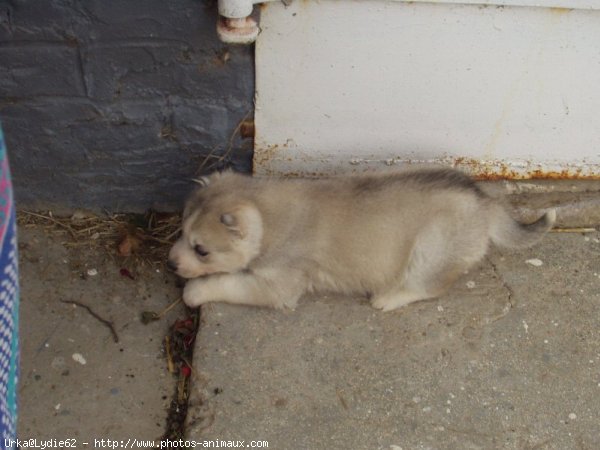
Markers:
276,160
501,171
479,170
247,129
481,176
288,143
263,156
560,11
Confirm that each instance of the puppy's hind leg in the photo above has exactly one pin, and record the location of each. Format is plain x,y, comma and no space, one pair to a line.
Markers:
425,278
395,299
266,287
419,288
436,262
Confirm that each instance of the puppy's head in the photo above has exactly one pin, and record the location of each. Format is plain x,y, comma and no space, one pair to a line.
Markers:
220,234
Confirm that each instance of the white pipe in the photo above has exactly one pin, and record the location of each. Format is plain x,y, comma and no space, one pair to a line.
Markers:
238,9
235,26
235,9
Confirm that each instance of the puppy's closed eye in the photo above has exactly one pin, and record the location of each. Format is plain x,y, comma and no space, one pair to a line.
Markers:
201,251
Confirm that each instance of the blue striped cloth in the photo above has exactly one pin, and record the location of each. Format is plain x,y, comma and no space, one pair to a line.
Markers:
9,306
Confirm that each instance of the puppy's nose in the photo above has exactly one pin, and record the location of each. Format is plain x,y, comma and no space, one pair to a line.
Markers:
172,265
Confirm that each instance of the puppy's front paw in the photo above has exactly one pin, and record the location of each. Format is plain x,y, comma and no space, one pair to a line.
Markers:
192,294
379,302
385,303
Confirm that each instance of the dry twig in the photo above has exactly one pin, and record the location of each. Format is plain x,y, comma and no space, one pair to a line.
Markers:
151,316
155,232
53,220
105,322
229,148
573,230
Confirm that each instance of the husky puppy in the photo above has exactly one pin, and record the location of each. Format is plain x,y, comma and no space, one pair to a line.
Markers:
396,238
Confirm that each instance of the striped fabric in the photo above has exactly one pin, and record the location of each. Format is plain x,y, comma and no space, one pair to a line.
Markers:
9,305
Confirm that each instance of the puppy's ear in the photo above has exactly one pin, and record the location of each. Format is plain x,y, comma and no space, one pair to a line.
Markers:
243,221
232,223
229,220
196,196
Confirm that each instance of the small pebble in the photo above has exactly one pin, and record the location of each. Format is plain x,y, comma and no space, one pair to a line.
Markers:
78,357
534,262
92,272
572,416
470,284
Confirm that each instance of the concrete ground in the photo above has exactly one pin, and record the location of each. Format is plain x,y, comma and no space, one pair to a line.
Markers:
508,359
76,382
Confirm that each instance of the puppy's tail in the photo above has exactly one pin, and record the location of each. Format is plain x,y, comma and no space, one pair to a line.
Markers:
507,232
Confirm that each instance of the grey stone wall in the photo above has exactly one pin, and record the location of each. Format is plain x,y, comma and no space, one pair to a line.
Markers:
116,104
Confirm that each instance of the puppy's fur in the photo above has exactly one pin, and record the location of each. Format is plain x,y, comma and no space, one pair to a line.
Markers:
396,238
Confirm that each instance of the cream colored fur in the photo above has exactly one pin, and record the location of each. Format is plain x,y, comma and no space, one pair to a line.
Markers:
395,238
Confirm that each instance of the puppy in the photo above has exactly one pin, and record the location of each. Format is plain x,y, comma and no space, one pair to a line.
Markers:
395,238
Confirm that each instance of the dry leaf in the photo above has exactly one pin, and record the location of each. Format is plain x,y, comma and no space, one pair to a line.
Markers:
129,244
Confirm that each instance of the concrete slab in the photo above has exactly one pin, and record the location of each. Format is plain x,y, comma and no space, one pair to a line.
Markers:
509,359
113,390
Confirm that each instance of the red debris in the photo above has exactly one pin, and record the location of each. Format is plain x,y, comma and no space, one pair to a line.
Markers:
186,371
126,273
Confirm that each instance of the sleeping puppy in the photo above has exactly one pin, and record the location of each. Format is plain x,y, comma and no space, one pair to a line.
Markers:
396,238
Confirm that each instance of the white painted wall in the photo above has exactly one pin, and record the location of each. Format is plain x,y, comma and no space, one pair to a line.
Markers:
355,85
